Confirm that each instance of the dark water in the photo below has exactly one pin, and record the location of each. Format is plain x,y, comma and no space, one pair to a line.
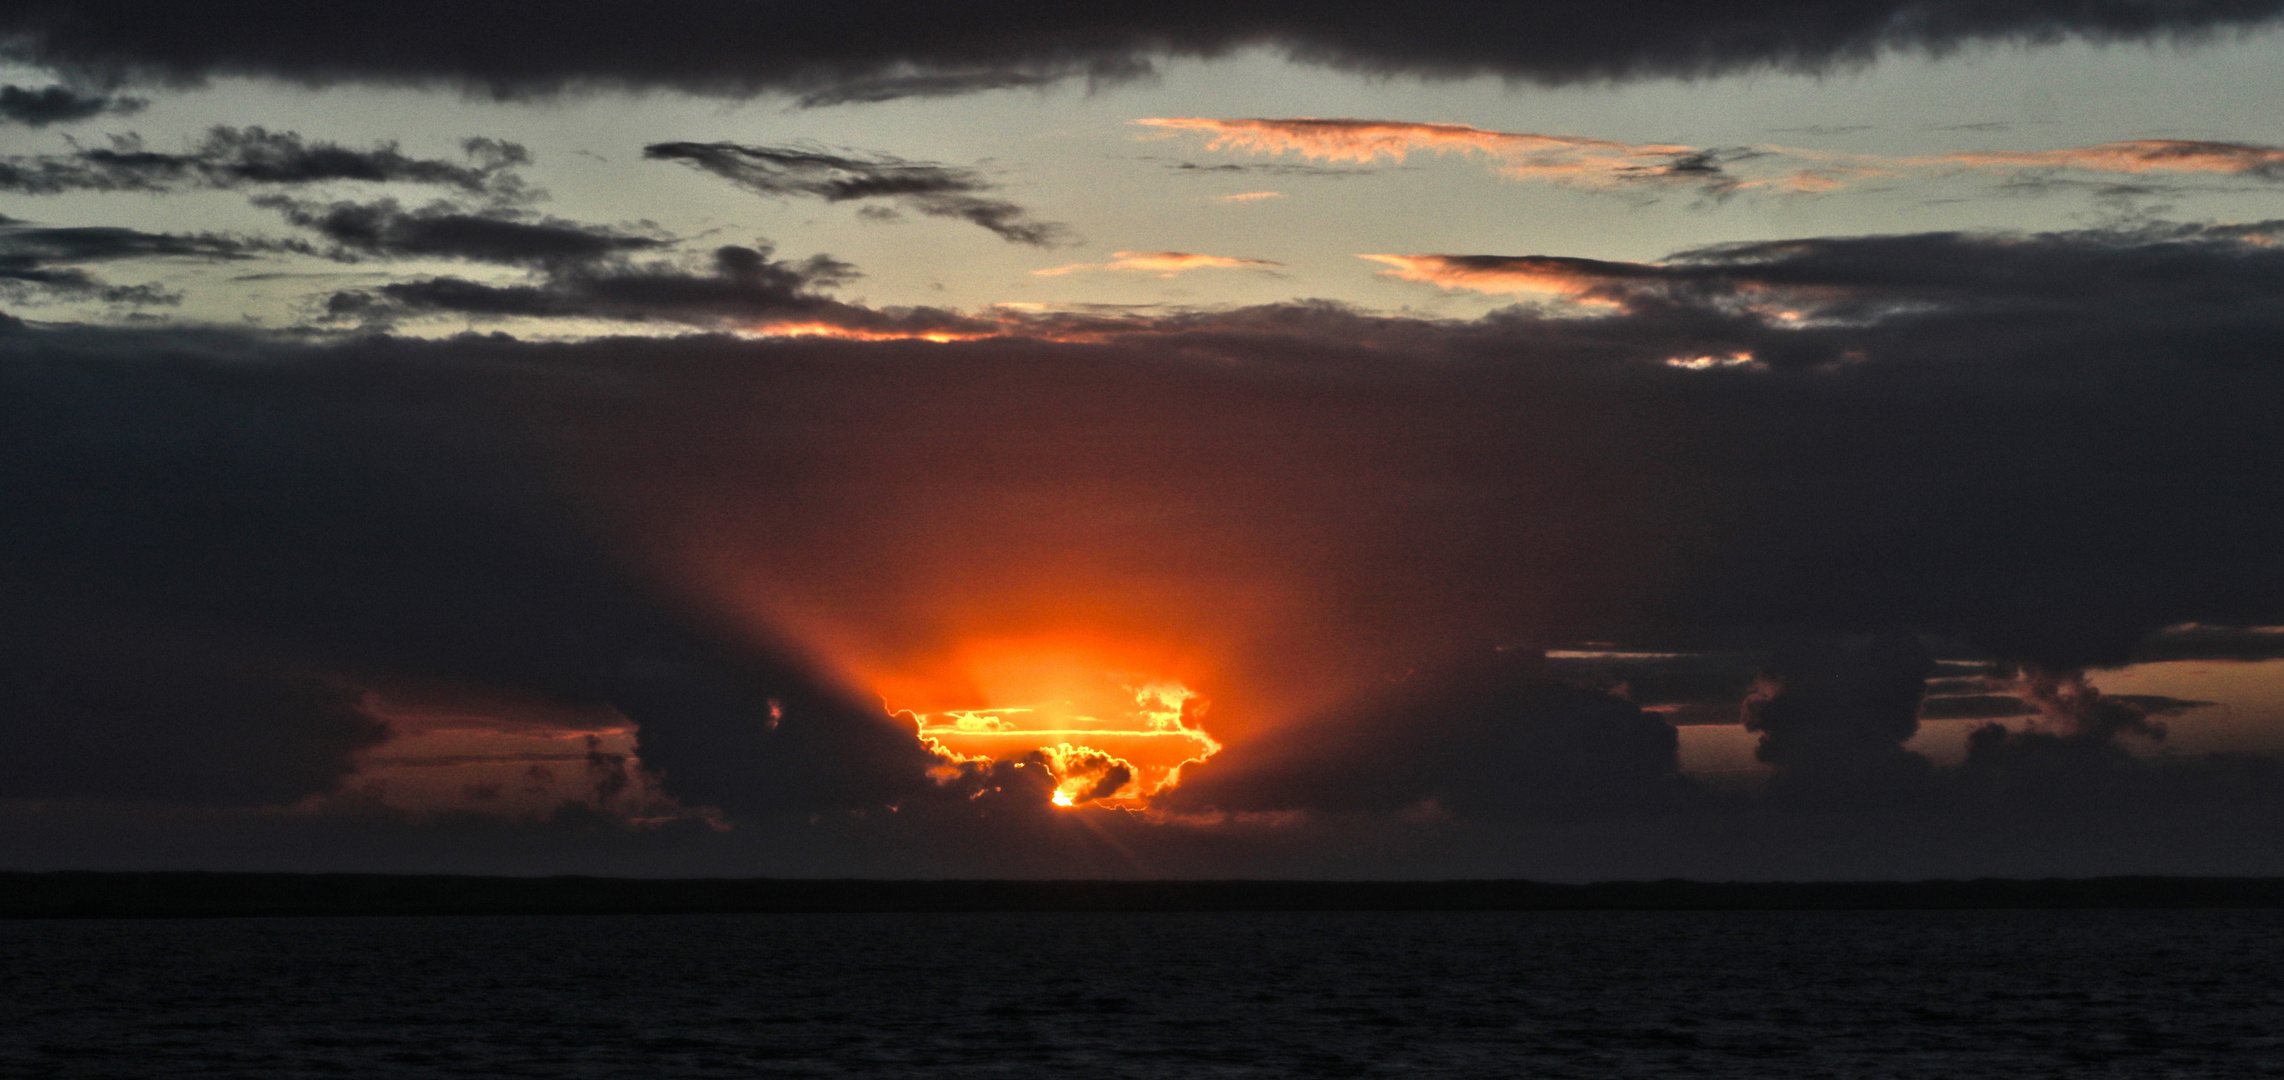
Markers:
1078,997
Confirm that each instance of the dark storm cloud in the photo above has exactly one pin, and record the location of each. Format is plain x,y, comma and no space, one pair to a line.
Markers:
383,228
60,105
233,158
209,541
926,188
710,47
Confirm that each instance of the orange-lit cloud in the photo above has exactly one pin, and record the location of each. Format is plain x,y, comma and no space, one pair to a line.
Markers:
1574,279
1161,263
1520,155
855,333
2139,156
1592,162
1105,733
1365,141
1249,196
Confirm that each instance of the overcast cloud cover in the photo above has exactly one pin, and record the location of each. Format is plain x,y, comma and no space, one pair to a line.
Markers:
1822,486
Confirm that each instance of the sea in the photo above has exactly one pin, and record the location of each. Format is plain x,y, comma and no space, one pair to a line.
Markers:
1085,996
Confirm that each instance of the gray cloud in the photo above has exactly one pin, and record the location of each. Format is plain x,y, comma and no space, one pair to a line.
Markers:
232,158
61,105
704,47
925,188
385,229
38,263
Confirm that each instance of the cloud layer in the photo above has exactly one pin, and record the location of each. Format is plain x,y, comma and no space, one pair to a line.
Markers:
1354,534
837,54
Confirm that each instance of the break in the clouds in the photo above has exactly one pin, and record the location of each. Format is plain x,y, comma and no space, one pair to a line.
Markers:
926,188
828,52
228,158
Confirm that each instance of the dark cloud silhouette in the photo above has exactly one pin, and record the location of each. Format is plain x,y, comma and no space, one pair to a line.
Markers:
233,158
383,228
744,288
38,264
203,558
1833,717
706,47
1491,737
60,105
925,188
2194,642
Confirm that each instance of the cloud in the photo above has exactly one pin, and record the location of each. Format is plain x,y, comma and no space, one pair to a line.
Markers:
1581,279
36,261
1161,263
2140,156
1490,737
60,105
1354,534
925,188
742,288
1716,172
266,536
505,235
1523,156
702,47
234,158
1249,196
899,87
1270,168
1833,716
2192,641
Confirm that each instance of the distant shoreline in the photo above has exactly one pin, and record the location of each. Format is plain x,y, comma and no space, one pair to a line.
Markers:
72,894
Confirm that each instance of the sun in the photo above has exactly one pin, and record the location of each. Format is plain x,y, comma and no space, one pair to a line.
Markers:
1109,727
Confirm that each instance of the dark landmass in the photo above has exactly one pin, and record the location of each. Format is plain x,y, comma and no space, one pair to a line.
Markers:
188,894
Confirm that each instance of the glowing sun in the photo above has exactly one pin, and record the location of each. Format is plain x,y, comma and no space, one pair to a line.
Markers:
1110,730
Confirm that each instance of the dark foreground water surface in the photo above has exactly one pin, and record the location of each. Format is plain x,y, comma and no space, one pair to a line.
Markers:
2016,994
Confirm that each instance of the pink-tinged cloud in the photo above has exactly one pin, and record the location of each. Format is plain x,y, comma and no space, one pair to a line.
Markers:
1249,196
2139,156
1523,155
1161,263
1585,280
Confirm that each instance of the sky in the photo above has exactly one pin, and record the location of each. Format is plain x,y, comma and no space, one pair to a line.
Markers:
1743,441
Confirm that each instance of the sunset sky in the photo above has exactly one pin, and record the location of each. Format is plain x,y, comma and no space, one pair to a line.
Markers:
1571,441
